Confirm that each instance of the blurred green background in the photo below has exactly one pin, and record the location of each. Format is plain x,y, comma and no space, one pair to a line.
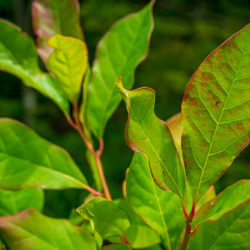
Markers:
185,32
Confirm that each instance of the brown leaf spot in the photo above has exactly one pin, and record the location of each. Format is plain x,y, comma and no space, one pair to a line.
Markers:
217,104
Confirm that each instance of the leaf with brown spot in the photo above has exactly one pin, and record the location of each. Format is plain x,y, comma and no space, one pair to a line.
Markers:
216,112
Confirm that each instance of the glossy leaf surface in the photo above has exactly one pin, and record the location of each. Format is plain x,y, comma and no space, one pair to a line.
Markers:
52,17
230,232
119,52
161,210
139,234
18,56
215,110
226,201
68,63
146,133
27,160
108,219
12,202
32,230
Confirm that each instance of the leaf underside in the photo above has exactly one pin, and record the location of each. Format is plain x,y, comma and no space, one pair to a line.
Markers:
216,112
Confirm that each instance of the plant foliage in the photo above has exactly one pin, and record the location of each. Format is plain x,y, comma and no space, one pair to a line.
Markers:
169,199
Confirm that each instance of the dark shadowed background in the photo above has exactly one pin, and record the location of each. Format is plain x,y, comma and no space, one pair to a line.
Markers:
186,31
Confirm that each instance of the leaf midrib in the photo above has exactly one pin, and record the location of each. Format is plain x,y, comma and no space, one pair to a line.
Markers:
227,228
147,138
45,167
161,212
215,131
33,235
122,69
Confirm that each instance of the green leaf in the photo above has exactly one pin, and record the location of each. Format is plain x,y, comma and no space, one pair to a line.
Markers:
230,232
216,112
12,202
27,160
119,52
226,201
18,56
108,219
32,230
209,195
159,209
146,133
68,63
117,247
139,234
52,17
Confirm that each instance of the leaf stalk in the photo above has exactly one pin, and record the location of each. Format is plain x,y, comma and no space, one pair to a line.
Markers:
97,154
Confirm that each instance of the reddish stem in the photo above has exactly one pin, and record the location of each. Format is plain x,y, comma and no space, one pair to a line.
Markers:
184,210
93,191
77,126
188,232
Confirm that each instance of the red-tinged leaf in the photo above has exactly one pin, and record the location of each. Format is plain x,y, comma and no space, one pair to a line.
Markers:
31,230
230,198
52,17
147,134
216,112
231,231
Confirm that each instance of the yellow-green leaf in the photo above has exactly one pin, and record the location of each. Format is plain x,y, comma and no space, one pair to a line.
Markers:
52,17
68,63
27,160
